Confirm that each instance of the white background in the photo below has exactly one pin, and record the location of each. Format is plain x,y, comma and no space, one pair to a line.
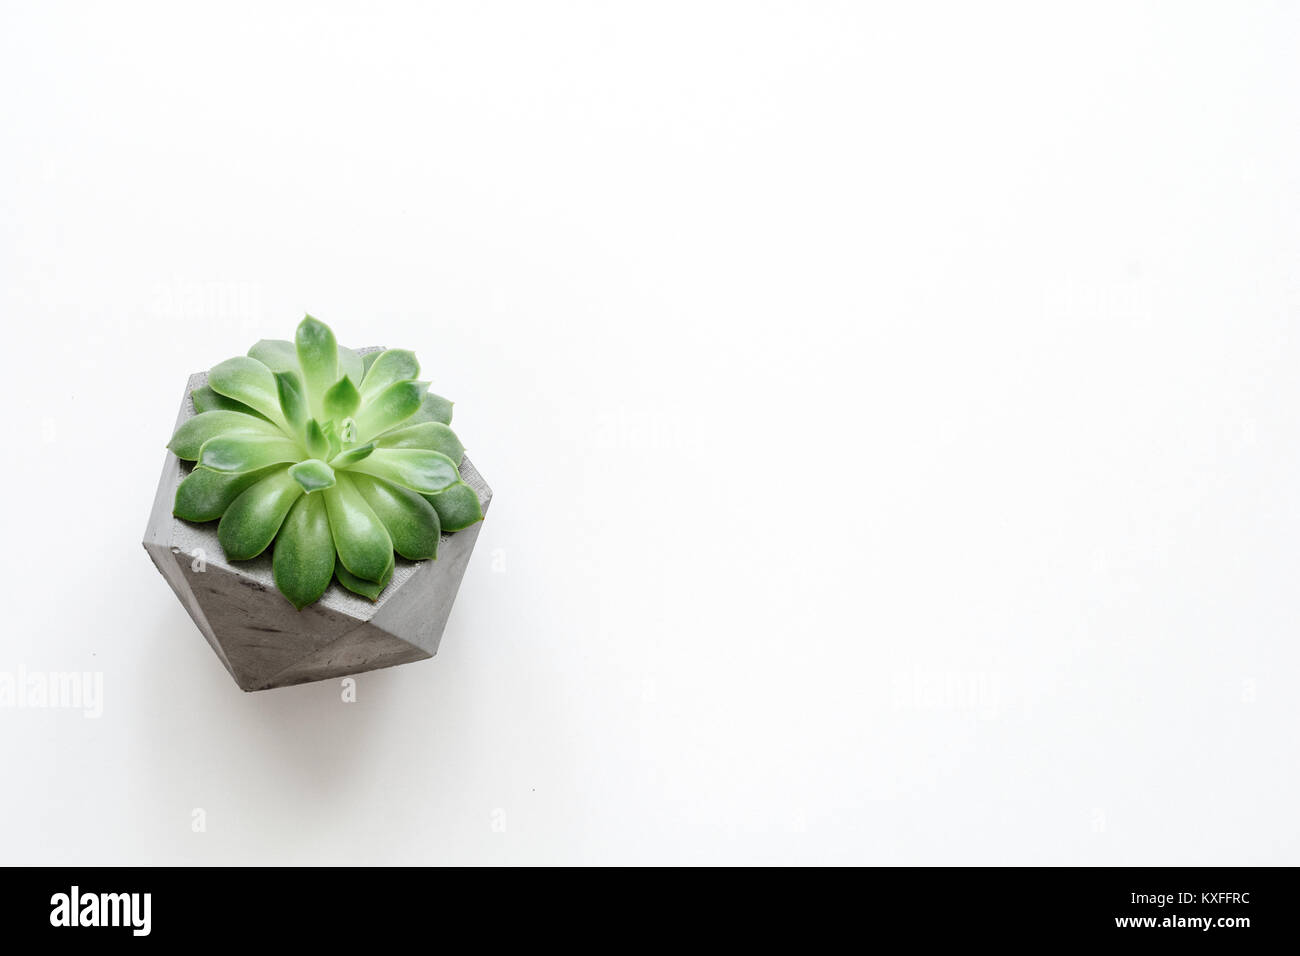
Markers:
892,412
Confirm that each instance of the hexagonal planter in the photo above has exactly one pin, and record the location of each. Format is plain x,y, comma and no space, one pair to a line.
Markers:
258,635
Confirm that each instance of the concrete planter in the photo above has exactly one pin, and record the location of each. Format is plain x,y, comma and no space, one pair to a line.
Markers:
255,631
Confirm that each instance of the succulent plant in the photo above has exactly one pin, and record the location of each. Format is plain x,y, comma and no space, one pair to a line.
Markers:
335,460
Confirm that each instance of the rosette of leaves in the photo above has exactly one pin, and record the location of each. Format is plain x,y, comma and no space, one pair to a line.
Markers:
336,461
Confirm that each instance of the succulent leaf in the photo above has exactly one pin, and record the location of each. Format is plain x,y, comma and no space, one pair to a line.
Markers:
189,438
276,354
354,455
252,520
388,368
411,522
342,399
370,589
351,364
393,405
359,536
427,472
239,453
333,444
206,400
293,402
313,474
204,494
318,445
318,357
249,381
433,436
290,419
303,563
458,507
433,408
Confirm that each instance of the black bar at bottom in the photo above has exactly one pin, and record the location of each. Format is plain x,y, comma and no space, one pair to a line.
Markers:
90,905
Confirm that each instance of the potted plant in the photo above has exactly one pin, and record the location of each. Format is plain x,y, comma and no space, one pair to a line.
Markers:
316,512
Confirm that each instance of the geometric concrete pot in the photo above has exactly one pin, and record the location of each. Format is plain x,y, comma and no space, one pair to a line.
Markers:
259,636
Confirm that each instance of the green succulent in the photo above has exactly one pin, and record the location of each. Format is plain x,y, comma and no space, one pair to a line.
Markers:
337,459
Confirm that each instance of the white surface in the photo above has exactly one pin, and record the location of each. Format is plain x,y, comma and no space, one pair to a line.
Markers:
892,414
